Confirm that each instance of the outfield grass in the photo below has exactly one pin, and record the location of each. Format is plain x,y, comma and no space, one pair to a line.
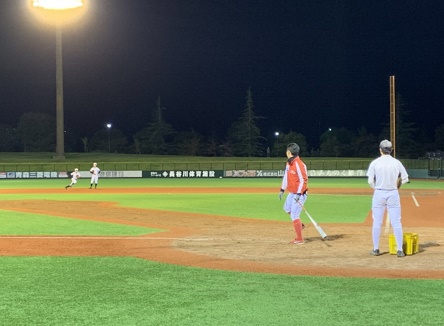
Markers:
130,291
18,223
259,206
326,208
334,183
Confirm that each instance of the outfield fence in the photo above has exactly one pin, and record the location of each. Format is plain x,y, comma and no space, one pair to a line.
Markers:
312,164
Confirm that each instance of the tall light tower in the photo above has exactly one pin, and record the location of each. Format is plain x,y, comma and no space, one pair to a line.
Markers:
59,13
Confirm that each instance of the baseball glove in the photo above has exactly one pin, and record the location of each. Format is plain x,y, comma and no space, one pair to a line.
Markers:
399,182
91,171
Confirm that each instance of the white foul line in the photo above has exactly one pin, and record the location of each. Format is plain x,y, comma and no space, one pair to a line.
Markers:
414,199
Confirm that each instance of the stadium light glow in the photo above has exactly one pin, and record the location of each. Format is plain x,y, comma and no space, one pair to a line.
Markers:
57,4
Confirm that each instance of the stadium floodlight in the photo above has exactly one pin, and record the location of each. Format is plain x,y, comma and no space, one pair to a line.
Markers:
57,4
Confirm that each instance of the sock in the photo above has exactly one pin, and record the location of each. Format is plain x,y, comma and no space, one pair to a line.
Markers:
298,229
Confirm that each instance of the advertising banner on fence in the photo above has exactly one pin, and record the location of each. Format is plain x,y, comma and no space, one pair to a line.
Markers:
196,174
254,173
33,175
280,173
65,175
337,173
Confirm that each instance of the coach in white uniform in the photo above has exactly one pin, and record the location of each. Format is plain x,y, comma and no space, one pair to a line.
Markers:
383,174
95,171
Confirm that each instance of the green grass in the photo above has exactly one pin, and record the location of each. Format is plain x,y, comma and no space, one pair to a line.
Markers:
325,208
272,183
130,291
18,223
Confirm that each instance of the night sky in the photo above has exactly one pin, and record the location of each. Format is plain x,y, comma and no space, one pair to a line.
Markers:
311,65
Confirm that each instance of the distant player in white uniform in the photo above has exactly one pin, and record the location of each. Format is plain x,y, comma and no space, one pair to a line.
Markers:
385,176
95,171
74,176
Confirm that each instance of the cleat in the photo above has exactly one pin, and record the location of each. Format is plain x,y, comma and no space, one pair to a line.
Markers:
90,188
400,253
303,226
66,188
375,252
297,242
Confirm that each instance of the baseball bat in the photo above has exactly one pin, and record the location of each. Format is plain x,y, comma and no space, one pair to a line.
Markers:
316,225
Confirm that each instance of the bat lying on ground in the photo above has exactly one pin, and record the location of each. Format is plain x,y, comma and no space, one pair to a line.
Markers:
321,232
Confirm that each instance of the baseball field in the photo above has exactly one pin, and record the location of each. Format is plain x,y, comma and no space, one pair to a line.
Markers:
213,252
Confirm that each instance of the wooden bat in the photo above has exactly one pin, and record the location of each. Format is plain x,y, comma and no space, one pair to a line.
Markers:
316,225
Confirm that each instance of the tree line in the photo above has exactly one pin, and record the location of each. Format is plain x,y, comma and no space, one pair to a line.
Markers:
36,132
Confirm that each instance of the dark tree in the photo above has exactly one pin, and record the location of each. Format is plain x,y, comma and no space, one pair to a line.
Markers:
112,140
330,145
210,146
9,139
37,132
156,138
439,138
244,134
405,145
364,144
292,137
85,144
345,139
189,143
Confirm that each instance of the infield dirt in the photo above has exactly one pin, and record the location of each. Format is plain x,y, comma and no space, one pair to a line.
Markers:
239,244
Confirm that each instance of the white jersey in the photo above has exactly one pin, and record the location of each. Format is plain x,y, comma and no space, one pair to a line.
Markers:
95,170
383,173
74,176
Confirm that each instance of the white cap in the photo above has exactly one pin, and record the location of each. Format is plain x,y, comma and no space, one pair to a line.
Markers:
76,169
385,144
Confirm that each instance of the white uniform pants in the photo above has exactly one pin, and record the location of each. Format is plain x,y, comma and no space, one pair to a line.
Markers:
386,200
294,208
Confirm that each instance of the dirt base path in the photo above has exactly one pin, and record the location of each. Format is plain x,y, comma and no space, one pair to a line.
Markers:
247,245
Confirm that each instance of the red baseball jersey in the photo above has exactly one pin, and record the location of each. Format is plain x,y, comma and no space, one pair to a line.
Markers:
295,179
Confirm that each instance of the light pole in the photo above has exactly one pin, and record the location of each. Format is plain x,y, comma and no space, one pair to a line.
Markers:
60,125
277,143
58,13
109,136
